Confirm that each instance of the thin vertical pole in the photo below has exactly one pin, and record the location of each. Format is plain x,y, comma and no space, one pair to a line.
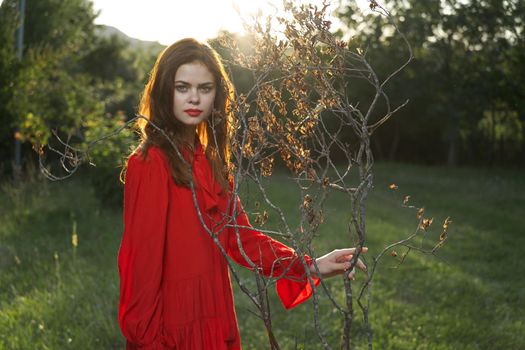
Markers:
19,51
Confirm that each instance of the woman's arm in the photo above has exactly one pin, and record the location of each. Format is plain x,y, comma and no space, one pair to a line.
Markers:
140,257
273,258
280,261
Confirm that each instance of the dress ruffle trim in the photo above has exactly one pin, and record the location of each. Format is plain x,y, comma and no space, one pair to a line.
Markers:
201,334
202,321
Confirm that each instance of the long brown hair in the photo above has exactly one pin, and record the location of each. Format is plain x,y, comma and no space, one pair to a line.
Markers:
157,106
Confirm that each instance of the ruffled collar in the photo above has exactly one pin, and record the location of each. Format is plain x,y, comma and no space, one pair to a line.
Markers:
207,185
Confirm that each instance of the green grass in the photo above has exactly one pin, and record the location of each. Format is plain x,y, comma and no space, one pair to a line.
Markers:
473,297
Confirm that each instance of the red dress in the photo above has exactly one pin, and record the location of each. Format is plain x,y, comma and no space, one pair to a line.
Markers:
175,288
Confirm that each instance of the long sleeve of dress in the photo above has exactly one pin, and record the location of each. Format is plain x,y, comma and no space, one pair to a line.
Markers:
273,258
140,257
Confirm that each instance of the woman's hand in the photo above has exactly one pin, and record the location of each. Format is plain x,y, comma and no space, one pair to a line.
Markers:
337,262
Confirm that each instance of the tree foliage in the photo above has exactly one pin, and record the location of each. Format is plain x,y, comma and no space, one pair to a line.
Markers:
71,85
8,68
468,64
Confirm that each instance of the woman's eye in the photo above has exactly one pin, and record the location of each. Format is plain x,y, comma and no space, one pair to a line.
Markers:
206,89
181,88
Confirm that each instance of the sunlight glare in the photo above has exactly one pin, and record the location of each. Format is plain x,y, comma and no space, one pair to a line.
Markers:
364,6
168,21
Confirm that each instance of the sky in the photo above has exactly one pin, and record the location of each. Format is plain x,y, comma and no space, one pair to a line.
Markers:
167,21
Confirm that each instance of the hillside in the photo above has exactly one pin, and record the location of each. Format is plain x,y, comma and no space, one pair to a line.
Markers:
106,31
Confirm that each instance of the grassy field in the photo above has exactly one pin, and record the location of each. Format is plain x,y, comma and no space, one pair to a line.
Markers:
472,297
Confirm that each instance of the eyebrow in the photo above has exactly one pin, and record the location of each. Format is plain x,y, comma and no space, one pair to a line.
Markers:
200,85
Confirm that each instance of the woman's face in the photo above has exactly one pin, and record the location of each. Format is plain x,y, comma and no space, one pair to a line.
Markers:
194,93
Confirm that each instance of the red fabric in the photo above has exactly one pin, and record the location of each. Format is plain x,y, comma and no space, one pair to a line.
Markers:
175,288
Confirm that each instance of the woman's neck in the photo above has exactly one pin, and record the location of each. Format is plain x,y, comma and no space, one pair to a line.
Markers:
189,136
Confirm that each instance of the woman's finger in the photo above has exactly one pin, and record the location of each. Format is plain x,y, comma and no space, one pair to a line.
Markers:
343,255
343,266
361,265
344,258
349,251
346,265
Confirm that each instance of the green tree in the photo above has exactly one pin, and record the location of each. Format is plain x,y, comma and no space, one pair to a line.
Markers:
43,90
467,55
8,68
72,81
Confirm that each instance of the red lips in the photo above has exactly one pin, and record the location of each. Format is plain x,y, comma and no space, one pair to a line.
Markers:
193,112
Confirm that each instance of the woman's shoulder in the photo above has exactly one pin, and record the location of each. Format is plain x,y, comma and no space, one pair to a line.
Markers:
147,157
145,154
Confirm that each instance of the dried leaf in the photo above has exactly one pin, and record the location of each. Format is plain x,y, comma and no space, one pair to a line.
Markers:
321,216
258,219
446,223
307,200
445,228
425,224
267,167
312,174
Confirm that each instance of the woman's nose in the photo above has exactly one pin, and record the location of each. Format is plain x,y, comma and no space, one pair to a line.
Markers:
194,96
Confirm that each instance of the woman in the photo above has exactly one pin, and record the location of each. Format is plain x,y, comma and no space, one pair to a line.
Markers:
175,288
